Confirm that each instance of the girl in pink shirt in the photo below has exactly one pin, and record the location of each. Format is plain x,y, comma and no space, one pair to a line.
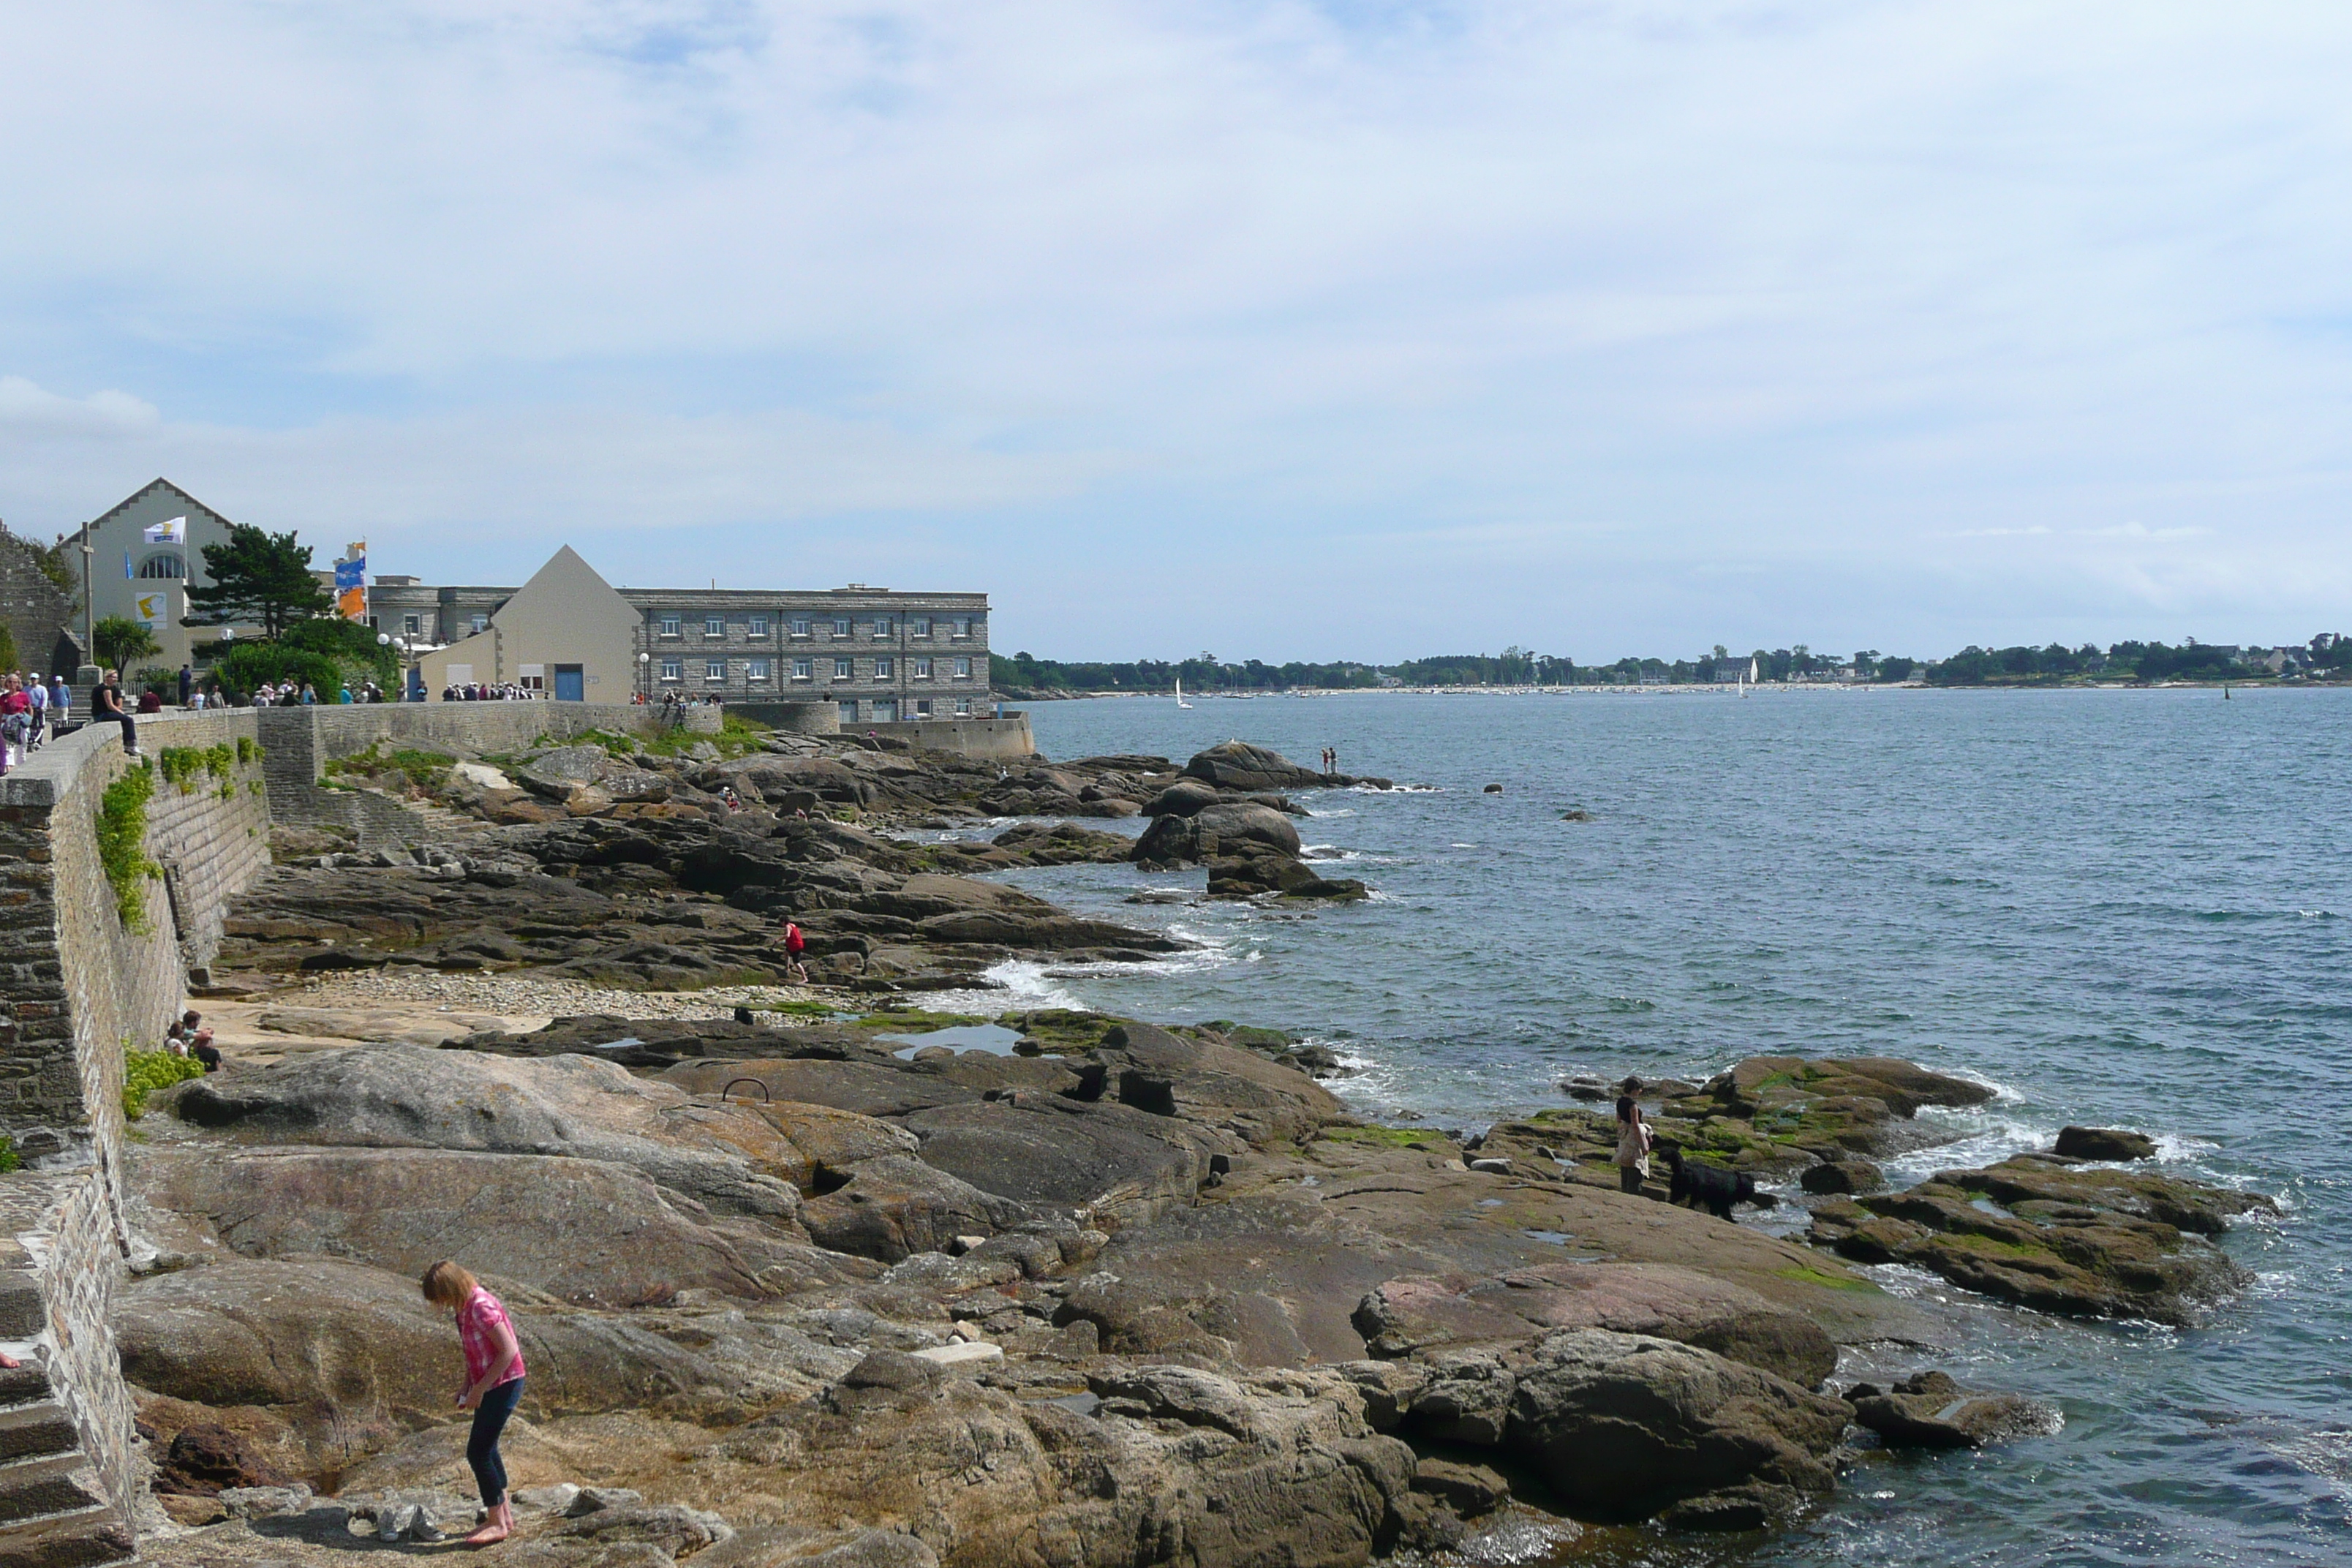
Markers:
494,1375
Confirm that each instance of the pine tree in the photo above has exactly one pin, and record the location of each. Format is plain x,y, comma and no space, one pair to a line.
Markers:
257,579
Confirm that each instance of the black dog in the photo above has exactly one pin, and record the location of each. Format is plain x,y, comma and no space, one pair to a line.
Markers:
1699,1186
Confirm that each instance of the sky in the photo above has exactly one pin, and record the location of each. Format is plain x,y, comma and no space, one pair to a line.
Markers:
1365,328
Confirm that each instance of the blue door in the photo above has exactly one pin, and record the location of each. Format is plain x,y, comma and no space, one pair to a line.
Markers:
570,687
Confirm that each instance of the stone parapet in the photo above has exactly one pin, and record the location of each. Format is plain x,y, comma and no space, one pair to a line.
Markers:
1005,740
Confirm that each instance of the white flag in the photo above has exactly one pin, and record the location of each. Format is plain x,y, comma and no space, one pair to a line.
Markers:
175,532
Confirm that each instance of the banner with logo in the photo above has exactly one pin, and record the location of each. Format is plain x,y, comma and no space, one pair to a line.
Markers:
351,585
172,531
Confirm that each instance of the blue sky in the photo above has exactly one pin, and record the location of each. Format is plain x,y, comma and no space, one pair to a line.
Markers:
1287,330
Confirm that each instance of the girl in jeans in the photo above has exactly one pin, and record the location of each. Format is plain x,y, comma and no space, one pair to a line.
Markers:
494,1375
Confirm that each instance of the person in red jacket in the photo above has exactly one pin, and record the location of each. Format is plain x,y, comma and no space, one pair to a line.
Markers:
795,951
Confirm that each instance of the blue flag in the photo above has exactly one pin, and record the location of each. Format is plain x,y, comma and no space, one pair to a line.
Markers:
350,575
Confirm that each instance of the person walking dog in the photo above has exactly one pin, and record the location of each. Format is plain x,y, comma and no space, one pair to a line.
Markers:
493,1376
1632,1145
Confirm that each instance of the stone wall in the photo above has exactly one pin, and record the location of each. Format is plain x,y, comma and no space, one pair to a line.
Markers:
60,1261
79,987
1005,740
33,609
300,741
794,718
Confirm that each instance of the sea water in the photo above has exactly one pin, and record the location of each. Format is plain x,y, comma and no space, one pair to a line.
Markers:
2121,908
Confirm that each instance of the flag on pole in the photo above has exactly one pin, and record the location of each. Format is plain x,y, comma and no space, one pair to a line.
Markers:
172,532
350,586
127,571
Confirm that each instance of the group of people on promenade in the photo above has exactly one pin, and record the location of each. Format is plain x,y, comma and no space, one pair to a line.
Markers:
29,707
476,691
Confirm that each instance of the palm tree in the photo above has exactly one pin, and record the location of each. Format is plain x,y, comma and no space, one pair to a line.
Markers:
117,640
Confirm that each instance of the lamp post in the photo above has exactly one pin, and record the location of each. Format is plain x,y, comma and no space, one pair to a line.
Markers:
645,675
88,613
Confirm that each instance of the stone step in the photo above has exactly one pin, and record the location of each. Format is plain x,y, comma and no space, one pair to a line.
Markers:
37,1431
56,1483
78,1538
25,1384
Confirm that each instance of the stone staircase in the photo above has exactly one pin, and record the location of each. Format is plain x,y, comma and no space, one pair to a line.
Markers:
439,825
53,1509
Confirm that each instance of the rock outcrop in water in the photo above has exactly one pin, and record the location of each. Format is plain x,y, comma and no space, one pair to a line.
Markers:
1133,1286
1126,1294
642,876
2041,1231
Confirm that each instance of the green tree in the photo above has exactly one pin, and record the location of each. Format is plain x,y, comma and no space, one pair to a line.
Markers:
57,563
118,640
350,645
257,579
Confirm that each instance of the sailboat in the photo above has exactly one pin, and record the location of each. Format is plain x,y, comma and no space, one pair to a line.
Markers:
1751,681
1180,693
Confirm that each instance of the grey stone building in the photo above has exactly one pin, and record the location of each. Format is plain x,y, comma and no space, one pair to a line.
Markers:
878,655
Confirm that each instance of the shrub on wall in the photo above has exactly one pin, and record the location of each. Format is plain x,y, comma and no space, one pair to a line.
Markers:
122,828
181,764
144,1072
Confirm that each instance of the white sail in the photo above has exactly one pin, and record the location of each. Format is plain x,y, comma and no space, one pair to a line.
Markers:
1180,693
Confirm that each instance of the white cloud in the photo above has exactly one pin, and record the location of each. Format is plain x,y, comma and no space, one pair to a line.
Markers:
27,410
1621,301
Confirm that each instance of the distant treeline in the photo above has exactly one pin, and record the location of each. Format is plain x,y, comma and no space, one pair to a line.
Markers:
2327,655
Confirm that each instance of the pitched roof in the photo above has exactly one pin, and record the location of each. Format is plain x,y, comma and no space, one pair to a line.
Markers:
142,492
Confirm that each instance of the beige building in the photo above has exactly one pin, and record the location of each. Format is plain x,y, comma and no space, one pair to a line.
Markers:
565,634
146,578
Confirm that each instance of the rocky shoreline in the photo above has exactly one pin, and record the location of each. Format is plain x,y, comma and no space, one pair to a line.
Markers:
823,1283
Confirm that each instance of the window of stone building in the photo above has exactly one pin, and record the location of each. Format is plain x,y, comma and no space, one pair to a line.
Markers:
849,712
410,626
482,623
714,669
962,626
881,669
800,670
963,669
922,669
881,625
714,626
755,669
841,626
919,625
757,627
671,625
964,707
802,628
163,564
673,670
922,707
841,669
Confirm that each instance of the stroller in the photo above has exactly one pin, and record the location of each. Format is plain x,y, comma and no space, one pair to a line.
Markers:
17,737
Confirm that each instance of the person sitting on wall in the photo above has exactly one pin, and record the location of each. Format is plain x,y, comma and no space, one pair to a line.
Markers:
106,707
150,702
